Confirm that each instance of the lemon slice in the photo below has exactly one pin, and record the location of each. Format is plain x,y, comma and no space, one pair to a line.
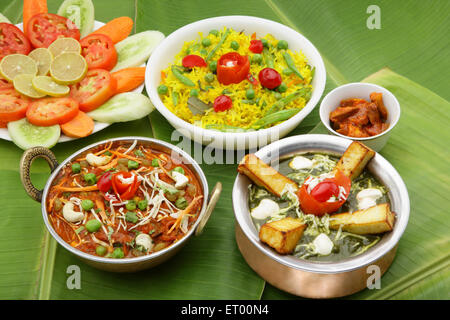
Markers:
68,68
22,83
43,58
46,85
15,64
62,45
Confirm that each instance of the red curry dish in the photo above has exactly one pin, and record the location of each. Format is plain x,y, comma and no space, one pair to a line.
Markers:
124,200
360,118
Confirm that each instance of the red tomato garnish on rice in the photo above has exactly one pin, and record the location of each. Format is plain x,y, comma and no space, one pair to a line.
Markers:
193,60
316,202
222,103
104,184
269,78
232,68
256,46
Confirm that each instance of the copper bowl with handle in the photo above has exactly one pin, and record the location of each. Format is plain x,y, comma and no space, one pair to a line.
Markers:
311,278
126,264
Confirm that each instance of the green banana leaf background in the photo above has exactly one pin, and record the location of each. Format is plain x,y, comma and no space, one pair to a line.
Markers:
408,56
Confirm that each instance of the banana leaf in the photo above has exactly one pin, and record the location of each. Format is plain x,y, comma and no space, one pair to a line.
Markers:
412,42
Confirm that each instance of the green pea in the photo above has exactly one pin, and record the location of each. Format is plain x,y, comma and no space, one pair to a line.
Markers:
277,95
179,170
257,58
100,250
213,66
162,89
133,164
287,71
282,87
203,52
193,93
93,225
265,43
214,32
131,205
181,203
206,42
118,253
209,77
131,216
76,168
87,204
155,163
282,44
139,153
142,204
250,93
90,178
234,45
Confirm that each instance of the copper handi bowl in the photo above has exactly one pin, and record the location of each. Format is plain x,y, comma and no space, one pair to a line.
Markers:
127,264
310,278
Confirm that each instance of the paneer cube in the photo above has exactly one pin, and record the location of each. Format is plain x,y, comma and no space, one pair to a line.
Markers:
354,159
282,235
374,220
264,175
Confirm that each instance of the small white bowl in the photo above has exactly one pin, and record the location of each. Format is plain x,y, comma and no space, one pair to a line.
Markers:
165,53
362,91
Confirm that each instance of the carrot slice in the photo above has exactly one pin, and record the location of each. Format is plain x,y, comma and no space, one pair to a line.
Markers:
76,189
80,126
129,78
117,29
31,8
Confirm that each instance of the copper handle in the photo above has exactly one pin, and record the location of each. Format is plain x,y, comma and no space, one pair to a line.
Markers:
213,198
25,165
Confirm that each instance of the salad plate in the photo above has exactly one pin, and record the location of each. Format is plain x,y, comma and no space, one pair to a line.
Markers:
98,125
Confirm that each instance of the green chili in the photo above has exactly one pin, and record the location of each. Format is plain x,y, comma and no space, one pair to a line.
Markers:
175,98
268,58
181,77
222,40
291,64
274,118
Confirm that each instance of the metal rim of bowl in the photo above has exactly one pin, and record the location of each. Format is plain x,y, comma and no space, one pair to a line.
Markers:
207,133
126,261
326,119
319,142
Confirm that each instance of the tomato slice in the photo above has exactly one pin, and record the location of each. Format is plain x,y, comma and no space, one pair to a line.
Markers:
316,201
12,40
232,68
13,105
4,84
94,90
44,28
193,60
50,111
99,51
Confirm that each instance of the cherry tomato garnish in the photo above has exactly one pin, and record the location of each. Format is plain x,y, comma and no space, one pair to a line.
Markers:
269,78
123,186
232,68
193,60
324,190
311,203
256,46
252,79
222,103
104,184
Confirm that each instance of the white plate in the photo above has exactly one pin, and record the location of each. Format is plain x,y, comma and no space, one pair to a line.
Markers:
98,125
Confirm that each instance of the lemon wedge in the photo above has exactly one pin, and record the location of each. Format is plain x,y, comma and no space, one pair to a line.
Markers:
15,64
62,45
46,85
22,83
43,58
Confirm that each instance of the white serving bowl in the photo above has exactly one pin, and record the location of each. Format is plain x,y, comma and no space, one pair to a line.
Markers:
164,55
362,91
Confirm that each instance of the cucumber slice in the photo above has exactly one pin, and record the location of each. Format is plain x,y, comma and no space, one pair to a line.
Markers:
136,49
80,12
4,19
25,135
123,107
